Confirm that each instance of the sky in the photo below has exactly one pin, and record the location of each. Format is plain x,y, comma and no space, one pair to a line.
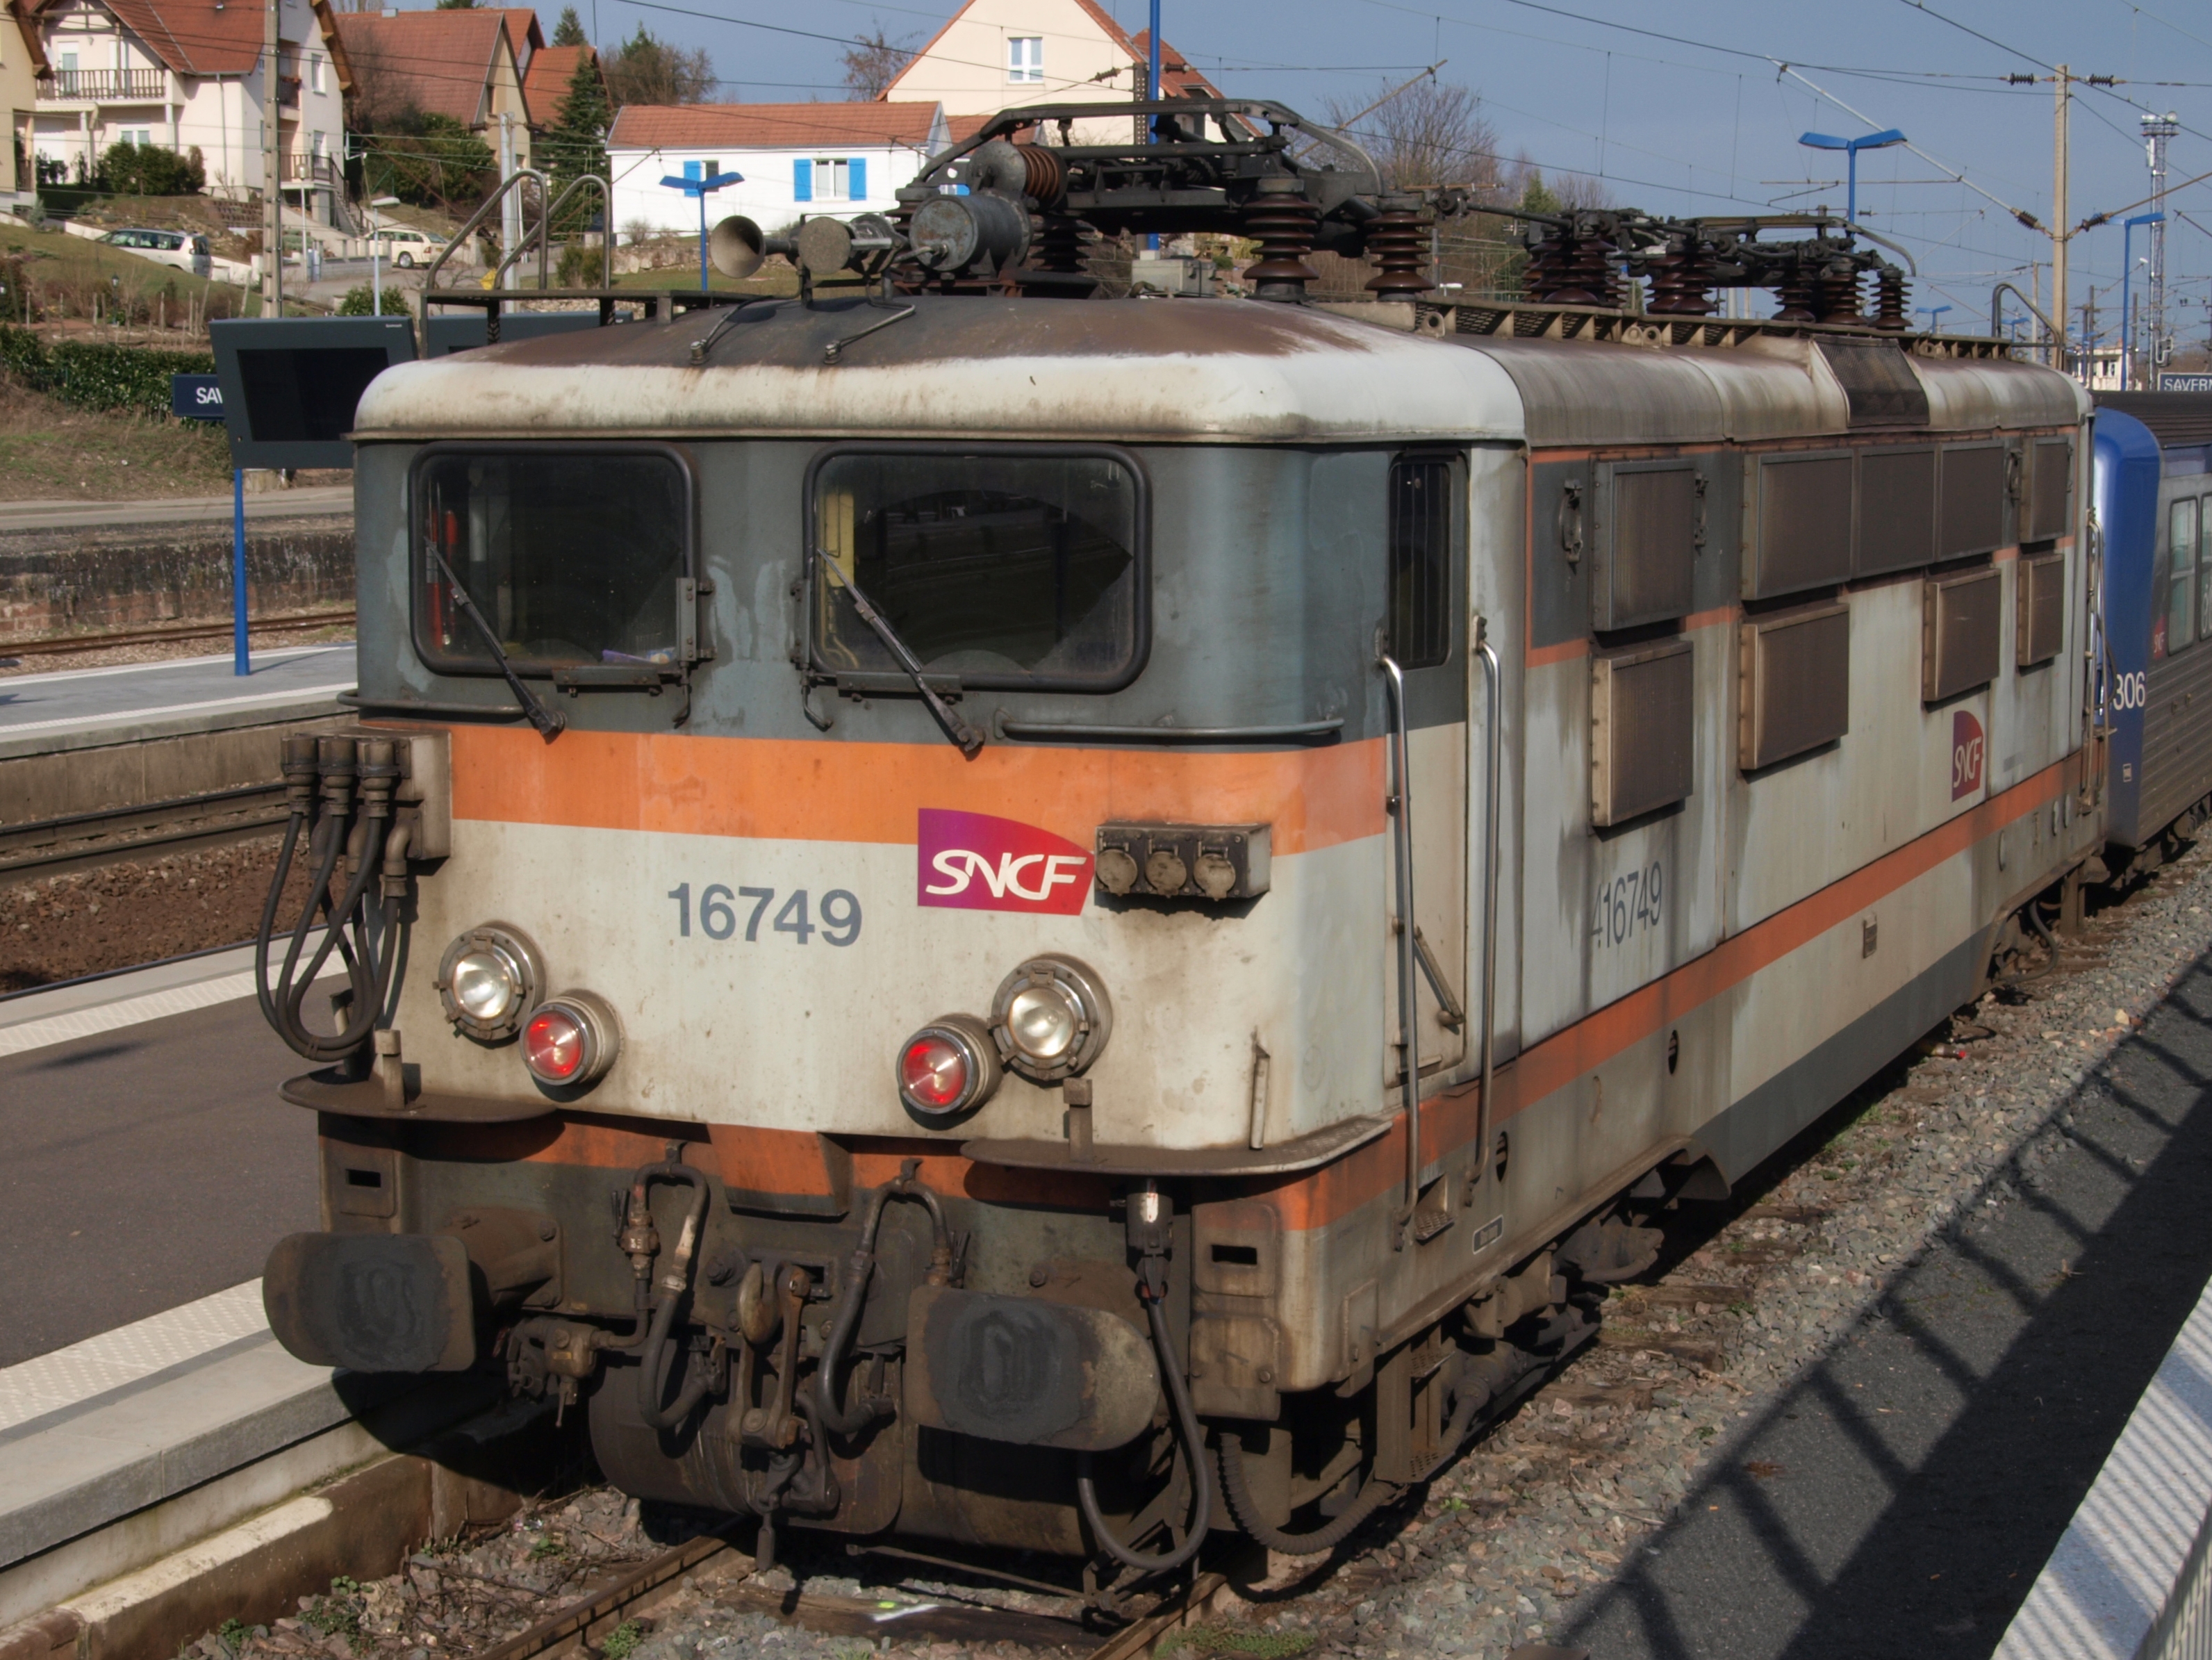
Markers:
1698,112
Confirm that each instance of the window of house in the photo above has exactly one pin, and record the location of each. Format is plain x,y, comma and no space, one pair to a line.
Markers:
2181,592
315,75
1025,58
707,169
318,141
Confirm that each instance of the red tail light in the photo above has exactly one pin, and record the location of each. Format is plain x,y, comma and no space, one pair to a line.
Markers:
948,1067
570,1040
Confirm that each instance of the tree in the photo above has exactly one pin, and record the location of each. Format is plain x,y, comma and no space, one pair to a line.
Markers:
570,31
1428,133
431,161
457,5
644,70
873,62
128,169
575,145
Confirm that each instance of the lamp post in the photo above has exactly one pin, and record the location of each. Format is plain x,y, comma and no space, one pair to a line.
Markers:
1851,147
376,254
2127,270
1931,313
698,189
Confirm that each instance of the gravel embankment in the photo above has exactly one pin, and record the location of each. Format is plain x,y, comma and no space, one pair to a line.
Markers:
1543,1525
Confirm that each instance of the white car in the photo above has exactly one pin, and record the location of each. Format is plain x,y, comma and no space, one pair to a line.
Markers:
406,246
185,250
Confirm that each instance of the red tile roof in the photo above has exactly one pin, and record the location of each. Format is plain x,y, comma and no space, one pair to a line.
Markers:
201,37
770,127
524,37
441,62
546,83
21,11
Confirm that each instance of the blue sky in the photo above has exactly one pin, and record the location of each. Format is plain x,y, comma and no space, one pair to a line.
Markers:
1703,122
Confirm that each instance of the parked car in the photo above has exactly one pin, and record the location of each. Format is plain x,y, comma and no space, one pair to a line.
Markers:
185,250
406,246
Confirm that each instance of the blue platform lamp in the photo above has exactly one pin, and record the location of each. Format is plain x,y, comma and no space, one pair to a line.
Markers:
1851,147
698,183
2127,270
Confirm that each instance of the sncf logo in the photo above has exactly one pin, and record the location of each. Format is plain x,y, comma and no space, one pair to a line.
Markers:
1968,749
972,862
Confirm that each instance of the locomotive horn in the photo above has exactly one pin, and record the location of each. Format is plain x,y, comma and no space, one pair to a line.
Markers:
738,249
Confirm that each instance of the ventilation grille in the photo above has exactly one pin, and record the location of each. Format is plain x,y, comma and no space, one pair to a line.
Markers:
1641,725
1804,524
1648,561
1959,635
1796,686
1972,519
2041,608
1897,510
2049,485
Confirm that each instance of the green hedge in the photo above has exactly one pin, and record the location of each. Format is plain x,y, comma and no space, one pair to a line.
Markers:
94,376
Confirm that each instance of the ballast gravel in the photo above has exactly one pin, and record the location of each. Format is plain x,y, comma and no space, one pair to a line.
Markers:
1508,1546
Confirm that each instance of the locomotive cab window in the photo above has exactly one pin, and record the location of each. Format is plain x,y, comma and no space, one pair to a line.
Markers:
2205,567
996,568
571,557
2181,532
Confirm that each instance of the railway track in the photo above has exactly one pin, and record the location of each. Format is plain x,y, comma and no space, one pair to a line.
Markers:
584,1624
170,633
49,846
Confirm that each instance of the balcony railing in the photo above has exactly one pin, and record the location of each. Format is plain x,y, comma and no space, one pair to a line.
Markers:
105,86
306,168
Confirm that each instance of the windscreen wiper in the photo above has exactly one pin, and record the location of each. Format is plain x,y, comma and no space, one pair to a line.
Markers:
957,729
549,722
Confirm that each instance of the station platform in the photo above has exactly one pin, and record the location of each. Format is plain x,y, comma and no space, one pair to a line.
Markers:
316,502
87,708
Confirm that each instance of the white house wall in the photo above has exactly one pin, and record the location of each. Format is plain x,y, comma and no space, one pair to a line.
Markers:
768,194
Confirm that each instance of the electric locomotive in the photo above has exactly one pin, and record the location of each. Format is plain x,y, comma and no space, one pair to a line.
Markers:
988,914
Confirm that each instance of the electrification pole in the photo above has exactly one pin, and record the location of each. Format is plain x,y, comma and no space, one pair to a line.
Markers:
272,170
2064,81
2157,348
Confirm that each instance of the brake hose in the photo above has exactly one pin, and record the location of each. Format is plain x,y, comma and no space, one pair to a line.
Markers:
859,1269
655,1353
1193,1447
1150,1220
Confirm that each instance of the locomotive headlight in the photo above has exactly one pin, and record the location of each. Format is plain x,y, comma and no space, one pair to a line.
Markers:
570,1040
489,979
1051,1018
948,1067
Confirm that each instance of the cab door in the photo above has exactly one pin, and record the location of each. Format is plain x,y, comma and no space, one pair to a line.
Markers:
1424,640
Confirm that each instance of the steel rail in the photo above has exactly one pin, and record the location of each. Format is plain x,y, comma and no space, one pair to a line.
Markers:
585,1622
53,645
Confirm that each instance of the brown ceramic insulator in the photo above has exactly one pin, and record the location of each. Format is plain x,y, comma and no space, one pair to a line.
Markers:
1889,300
1794,291
1569,270
1283,225
1057,243
1046,171
1836,296
1399,243
1680,280
1541,274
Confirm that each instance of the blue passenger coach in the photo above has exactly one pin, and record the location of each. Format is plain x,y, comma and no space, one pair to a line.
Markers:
2153,501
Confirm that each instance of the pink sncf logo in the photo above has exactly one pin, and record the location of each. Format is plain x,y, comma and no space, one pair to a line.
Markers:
1968,751
972,862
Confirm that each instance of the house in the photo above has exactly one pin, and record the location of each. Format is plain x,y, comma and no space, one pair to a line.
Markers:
467,64
999,54
795,160
545,83
23,64
187,74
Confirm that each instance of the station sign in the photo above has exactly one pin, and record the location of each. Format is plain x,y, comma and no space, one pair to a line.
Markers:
2185,380
196,397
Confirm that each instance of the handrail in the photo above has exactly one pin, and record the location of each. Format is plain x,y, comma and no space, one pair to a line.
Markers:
2050,328
1409,1064
523,244
483,212
1483,1115
1301,732
607,223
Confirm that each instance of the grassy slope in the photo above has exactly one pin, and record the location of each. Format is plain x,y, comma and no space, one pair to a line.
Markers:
49,452
73,263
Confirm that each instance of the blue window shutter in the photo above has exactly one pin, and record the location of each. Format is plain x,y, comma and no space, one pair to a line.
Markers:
858,178
690,169
802,181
